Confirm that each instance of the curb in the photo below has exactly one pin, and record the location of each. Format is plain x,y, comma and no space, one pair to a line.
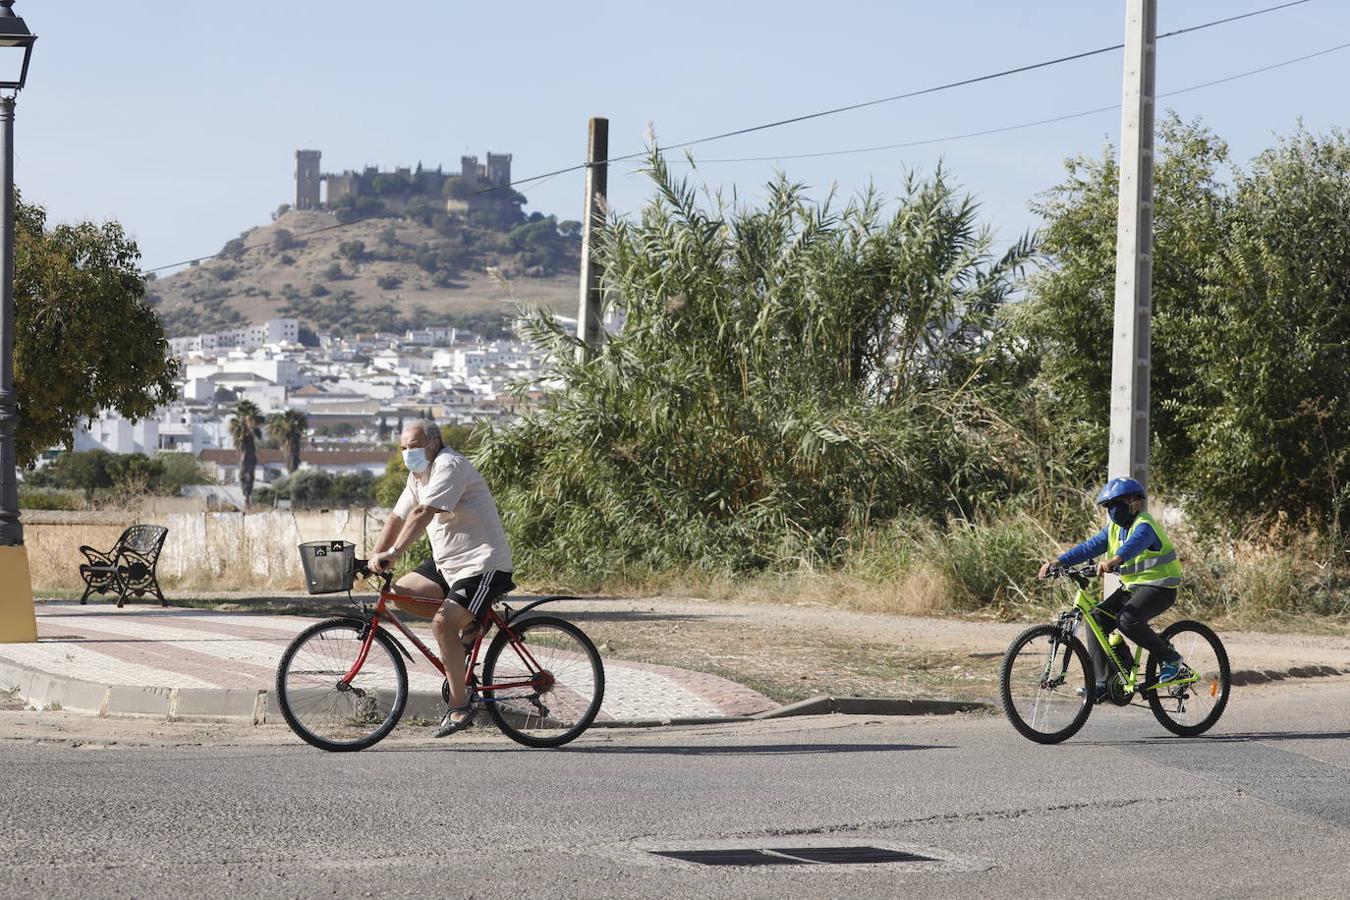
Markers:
874,706
45,690
1262,676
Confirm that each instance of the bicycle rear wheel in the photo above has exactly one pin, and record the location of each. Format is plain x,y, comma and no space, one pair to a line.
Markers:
1046,684
546,690
1192,705
325,711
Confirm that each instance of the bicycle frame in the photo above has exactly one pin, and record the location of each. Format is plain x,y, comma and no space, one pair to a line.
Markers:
540,680
1130,670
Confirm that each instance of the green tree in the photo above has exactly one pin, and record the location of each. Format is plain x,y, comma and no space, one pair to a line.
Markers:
245,430
179,469
1251,323
284,239
1065,327
85,338
289,427
786,374
1269,420
234,249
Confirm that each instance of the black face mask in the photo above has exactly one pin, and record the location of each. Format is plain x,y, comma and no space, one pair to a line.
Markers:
1120,514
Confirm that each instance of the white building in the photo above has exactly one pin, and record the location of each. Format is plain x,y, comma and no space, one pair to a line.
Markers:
273,331
279,370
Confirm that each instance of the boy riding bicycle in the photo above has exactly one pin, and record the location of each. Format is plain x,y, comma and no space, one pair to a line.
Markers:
1139,550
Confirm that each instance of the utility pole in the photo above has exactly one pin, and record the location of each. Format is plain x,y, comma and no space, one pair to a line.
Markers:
589,325
1131,356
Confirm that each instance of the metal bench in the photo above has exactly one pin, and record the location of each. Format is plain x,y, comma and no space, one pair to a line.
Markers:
128,568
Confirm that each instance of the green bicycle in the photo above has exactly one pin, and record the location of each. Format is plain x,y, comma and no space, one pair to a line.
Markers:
1047,685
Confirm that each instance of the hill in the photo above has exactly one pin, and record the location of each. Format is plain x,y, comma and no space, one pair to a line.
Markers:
412,268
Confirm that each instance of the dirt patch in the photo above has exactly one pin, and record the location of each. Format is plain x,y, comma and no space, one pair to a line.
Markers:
788,664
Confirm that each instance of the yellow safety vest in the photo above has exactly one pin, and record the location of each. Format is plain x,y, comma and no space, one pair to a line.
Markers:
1159,568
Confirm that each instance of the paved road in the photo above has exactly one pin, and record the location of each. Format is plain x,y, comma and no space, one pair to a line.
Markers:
1260,809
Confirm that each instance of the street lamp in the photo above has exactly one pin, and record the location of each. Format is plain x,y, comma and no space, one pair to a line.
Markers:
16,48
17,622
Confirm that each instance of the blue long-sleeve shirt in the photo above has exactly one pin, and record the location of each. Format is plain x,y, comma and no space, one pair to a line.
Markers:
1141,537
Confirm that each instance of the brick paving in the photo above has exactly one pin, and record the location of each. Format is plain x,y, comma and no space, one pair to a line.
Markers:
203,649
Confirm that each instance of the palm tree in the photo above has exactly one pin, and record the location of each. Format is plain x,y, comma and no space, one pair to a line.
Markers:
246,429
289,427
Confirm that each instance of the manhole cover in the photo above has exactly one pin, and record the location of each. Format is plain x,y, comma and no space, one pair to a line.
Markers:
789,856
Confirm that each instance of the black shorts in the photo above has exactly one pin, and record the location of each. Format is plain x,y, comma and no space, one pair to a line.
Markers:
474,593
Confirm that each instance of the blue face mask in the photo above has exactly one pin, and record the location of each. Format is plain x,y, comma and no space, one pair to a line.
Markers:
1120,514
415,458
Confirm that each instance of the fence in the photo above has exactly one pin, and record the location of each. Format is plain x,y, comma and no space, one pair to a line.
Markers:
226,551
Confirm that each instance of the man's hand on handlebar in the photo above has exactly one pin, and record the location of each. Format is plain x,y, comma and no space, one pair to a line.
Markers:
381,562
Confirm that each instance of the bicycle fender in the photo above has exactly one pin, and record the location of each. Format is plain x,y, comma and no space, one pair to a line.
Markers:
514,614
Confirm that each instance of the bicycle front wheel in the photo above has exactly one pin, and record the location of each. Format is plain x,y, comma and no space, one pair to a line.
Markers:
1192,704
1045,684
545,687
328,712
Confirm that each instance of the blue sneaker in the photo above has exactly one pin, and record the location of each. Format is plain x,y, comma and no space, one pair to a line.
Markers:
1171,671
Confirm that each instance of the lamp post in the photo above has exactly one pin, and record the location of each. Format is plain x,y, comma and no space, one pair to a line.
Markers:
17,622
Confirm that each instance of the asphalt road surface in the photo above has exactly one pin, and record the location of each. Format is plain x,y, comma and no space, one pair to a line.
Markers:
1259,809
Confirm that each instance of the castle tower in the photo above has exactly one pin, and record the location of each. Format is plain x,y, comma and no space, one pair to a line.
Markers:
307,179
468,171
499,169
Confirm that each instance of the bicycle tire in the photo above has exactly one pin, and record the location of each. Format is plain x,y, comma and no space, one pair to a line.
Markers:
514,711
390,667
1215,678
1029,730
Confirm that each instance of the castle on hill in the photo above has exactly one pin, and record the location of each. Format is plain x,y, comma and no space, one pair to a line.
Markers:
475,186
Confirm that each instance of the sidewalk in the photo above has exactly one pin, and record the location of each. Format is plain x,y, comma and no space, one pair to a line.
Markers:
215,665
191,663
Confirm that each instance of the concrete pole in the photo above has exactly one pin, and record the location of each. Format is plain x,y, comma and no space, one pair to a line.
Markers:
589,313
11,529
1130,360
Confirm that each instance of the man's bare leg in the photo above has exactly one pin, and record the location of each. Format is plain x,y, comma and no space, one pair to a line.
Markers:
450,620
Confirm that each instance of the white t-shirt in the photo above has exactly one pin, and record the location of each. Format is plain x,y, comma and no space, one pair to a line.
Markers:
467,537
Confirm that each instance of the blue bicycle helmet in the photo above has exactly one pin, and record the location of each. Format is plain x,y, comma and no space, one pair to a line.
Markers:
1117,488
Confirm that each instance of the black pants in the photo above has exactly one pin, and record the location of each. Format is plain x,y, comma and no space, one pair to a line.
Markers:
1131,610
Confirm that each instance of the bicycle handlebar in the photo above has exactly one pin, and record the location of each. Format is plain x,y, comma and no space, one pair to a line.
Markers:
1085,570
362,569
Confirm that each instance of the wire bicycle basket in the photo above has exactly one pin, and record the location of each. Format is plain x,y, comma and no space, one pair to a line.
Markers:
330,566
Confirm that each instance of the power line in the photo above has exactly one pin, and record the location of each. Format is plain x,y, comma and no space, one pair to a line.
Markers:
802,118
1017,70
1023,125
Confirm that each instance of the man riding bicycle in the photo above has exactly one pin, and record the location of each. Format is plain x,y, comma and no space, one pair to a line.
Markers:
1140,551
470,562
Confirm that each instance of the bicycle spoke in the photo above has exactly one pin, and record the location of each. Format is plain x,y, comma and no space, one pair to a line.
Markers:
549,689
326,710
1043,685
1192,704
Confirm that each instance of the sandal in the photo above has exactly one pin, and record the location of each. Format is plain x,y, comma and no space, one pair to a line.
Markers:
449,725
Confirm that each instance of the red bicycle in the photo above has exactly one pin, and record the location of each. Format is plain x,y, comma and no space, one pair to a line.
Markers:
342,683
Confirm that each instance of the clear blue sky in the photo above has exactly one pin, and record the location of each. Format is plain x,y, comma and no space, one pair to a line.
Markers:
180,119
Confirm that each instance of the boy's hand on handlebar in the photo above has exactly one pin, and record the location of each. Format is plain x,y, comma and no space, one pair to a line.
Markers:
1107,566
1045,569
